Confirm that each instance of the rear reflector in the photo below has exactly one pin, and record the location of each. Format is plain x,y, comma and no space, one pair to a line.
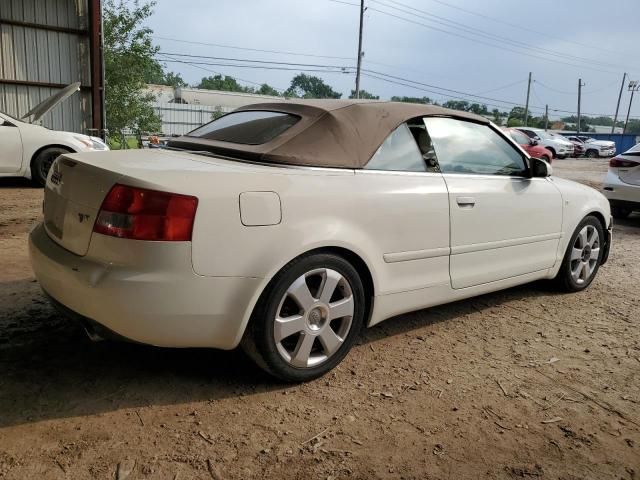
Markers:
141,214
618,162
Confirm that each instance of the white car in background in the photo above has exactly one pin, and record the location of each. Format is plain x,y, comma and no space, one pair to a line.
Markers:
559,146
622,183
595,148
288,227
28,150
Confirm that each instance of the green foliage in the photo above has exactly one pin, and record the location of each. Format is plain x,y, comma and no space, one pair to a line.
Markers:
266,89
217,113
514,122
465,106
156,75
230,84
364,95
497,116
226,83
308,86
633,126
128,57
423,100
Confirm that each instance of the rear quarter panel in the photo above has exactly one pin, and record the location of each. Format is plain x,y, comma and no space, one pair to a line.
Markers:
370,214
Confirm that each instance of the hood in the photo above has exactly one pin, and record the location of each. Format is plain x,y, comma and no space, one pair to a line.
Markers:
40,110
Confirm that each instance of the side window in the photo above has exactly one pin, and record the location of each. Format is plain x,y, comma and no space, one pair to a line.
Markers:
529,133
399,152
466,147
519,137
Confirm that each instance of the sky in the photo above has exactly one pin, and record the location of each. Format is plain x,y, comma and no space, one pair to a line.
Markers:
485,48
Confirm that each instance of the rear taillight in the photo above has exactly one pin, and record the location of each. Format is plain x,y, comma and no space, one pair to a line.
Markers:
618,162
141,214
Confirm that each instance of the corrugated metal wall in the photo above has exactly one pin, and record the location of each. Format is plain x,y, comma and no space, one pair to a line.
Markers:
44,44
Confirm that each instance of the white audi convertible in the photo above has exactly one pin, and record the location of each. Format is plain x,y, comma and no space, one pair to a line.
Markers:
288,227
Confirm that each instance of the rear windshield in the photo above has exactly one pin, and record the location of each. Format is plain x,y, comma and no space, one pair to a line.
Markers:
248,127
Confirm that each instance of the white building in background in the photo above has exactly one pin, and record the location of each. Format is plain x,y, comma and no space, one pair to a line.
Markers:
183,108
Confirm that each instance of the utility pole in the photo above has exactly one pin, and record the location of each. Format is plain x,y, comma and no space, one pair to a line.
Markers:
633,87
526,108
580,85
546,117
615,117
359,50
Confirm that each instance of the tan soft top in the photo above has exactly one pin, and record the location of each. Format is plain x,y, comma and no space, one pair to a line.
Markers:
330,133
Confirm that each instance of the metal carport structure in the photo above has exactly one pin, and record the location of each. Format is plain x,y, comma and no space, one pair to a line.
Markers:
46,45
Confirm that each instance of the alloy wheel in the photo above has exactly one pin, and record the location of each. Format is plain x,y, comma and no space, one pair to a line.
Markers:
313,318
585,254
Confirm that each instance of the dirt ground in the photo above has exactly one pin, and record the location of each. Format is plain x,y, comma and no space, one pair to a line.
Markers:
524,383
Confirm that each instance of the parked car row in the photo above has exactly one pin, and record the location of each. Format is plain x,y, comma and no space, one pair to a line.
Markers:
573,146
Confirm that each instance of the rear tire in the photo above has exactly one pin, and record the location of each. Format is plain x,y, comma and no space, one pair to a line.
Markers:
307,319
41,164
583,256
620,212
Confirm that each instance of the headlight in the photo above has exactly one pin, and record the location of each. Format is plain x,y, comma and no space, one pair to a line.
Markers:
98,144
92,143
86,141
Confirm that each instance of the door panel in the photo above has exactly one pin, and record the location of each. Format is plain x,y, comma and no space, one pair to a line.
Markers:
512,228
10,148
503,223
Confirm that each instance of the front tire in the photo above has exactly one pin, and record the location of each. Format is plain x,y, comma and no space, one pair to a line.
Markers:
42,163
591,154
583,256
307,319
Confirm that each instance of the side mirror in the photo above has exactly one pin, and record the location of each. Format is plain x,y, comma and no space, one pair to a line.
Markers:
533,142
540,168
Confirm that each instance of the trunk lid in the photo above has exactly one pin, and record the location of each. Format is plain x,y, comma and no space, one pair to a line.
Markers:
72,197
78,183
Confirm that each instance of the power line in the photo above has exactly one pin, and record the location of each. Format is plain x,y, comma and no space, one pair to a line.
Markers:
283,52
476,31
502,87
231,59
521,27
263,67
476,40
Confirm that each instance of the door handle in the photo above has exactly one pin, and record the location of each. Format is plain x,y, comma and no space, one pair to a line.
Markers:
468,202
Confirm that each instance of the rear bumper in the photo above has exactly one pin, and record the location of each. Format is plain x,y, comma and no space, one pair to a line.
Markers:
146,292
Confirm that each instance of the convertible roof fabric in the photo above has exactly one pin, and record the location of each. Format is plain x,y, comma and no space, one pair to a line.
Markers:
330,133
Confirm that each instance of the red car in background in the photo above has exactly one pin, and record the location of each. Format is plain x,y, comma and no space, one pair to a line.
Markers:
531,146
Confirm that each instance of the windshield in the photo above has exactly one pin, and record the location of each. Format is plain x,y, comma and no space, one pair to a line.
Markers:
253,127
543,134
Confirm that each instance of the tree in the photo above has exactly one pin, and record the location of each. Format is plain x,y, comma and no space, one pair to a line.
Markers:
156,75
364,95
266,89
423,100
128,57
307,86
497,116
226,83
514,122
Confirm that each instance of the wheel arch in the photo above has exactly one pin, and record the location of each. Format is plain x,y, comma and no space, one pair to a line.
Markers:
356,259
42,149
